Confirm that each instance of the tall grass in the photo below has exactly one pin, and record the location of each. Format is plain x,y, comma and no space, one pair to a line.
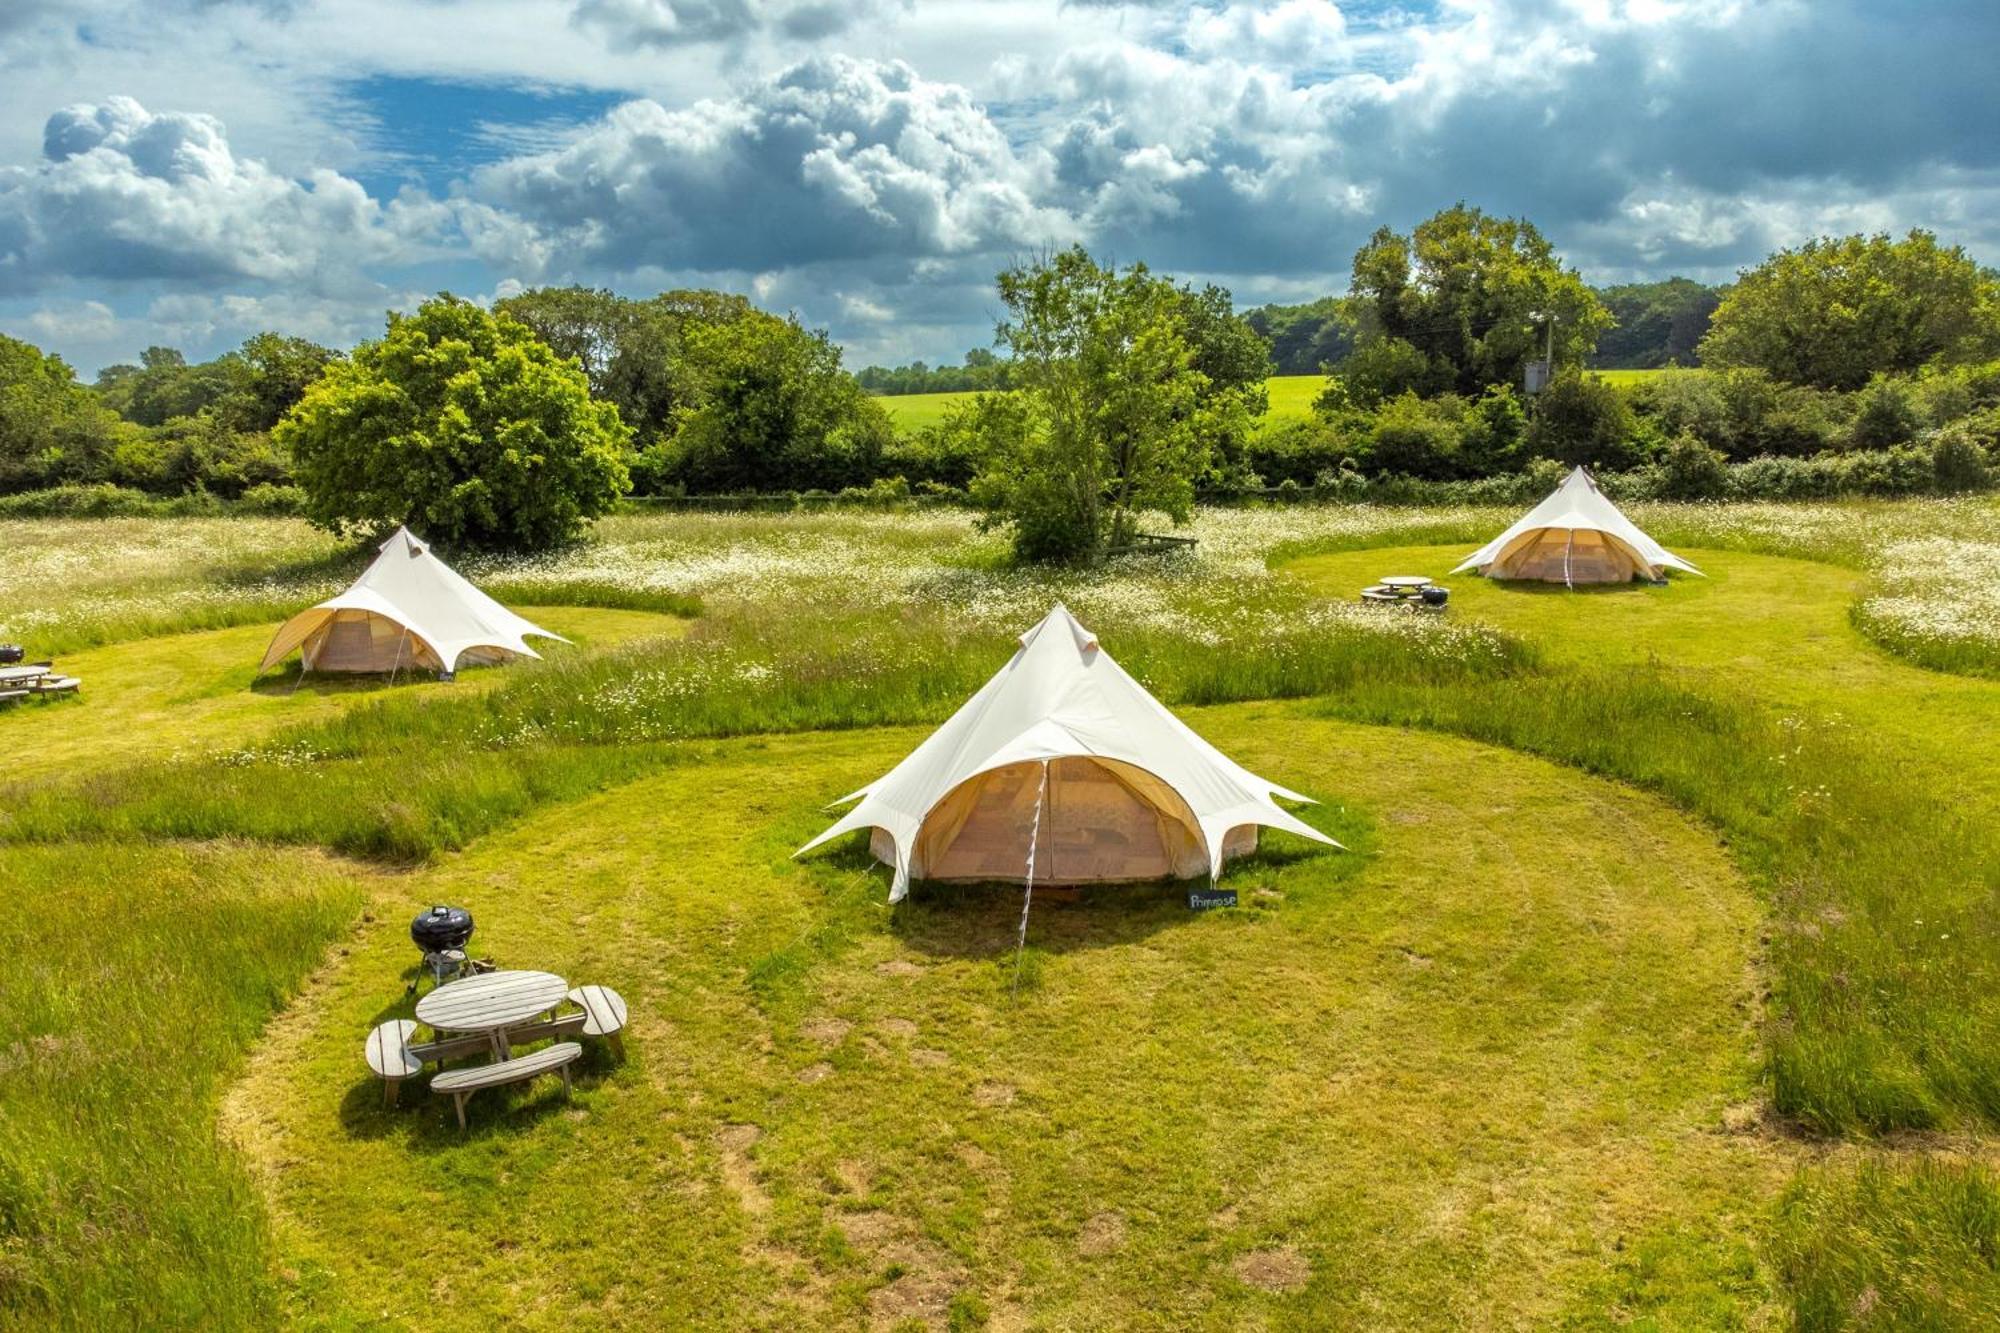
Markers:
1892,1245
405,777
135,979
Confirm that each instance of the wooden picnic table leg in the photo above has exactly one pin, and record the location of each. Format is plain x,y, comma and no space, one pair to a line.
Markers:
500,1047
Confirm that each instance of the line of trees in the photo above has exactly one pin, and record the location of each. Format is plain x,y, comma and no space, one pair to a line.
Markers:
1112,393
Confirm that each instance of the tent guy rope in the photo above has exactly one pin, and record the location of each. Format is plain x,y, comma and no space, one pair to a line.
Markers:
1028,890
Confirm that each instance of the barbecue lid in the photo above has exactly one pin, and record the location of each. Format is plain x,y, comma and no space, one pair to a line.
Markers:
441,927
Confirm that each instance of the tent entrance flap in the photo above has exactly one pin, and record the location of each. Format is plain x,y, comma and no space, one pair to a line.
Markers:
1103,820
363,641
1568,555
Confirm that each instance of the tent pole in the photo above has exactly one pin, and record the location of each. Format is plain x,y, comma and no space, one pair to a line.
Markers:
1028,893
1568,546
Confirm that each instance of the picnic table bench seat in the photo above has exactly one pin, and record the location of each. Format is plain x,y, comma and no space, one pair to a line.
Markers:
57,685
462,1083
390,1056
603,1014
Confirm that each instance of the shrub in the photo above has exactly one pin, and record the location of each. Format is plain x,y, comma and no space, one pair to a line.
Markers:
1689,470
275,501
1415,437
101,500
463,424
1958,462
1885,414
1495,433
1582,419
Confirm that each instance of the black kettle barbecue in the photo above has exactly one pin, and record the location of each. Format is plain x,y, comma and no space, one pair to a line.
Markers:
441,932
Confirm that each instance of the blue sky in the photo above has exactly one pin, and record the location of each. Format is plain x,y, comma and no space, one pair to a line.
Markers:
192,171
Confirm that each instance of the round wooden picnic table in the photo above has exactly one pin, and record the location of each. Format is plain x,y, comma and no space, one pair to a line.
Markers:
492,1003
1406,581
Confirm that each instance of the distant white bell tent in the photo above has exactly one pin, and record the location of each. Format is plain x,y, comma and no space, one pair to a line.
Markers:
1062,769
1575,536
409,610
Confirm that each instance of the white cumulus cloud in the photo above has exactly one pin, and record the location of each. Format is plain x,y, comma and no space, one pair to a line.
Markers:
122,193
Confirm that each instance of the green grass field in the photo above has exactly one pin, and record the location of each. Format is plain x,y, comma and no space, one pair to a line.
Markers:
1658,985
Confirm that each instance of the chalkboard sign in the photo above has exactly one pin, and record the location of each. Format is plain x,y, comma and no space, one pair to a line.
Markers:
1200,900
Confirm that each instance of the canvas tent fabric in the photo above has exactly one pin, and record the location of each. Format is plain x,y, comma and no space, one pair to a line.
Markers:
1574,536
407,610
1062,744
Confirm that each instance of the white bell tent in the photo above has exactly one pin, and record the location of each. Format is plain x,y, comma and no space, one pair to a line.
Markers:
1575,536
1062,769
407,610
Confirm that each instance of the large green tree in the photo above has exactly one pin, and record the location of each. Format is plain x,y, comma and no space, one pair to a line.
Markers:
634,352
1832,312
1464,301
1117,417
1659,324
249,389
769,409
52,429
463,424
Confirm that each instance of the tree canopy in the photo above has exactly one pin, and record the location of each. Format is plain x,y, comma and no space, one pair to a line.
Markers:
769,408
1113,413
463,424
1832,312
634,352
1305,339
52,429
1462,302
249,389
1659,324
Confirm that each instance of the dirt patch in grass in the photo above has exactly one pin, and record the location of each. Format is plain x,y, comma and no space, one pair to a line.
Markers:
994,1094
1281,1270
738,1172
1101,1235
825,1031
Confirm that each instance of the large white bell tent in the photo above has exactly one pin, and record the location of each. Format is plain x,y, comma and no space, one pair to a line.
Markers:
1062,769
407,610
1575,536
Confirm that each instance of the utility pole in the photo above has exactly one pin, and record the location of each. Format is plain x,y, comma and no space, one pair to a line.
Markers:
1537,374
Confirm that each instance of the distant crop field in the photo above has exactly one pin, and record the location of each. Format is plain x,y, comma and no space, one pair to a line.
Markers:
914,411
1625,379
1291,397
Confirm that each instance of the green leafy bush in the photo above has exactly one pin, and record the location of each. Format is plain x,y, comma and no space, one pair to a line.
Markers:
1690,470
1885,414
1417,437
462,424
1580,419
1959,462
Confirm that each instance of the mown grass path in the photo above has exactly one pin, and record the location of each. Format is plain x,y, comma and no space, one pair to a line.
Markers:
1759,626
1491,1067
153,698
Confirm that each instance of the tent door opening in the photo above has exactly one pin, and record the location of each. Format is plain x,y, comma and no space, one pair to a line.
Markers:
1102,821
